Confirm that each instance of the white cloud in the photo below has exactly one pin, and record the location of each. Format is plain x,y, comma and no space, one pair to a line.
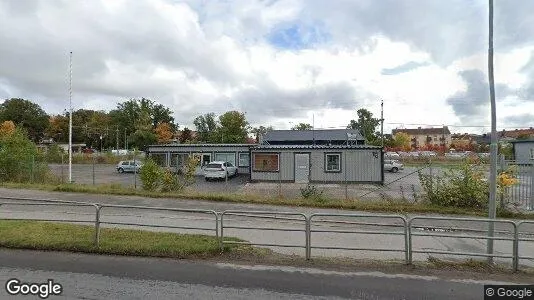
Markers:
201,56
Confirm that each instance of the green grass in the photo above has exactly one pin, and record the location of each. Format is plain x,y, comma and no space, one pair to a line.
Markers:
381,206
37,235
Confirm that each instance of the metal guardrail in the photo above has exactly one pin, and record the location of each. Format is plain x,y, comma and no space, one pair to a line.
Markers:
359,216
267,215
98,213
100,207
513,239
407,225
522,239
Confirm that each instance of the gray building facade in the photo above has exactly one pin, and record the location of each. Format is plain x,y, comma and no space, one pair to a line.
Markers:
173,156
326,156
523,151
317,164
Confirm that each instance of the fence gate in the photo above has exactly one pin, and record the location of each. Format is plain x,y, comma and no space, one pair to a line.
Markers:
521,194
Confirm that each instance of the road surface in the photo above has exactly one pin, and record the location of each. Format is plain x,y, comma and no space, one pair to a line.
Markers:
295,223
85,276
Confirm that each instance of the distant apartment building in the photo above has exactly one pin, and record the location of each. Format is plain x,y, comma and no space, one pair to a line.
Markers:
424,137
505,136
517,133
463,140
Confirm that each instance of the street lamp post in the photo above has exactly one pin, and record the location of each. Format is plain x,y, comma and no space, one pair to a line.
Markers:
70,117
493,146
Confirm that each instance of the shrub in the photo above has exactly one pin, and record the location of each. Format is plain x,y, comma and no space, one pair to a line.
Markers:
459,186
20,160
190,167
505,180
170,182
54,154
312,192
151,175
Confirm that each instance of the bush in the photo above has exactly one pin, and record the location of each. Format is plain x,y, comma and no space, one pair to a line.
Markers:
19,159
312,192
54,154
189,170
459,186
170,182
151,175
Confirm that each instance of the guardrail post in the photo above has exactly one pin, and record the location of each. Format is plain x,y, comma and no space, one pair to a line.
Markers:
515,251
97,225
308,237
221,242
406,241
409,238
531,203
217,229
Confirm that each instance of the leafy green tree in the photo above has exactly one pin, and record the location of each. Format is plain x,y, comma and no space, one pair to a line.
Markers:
27,115
151,175
87,127
366,124
206,125
302,126
259,131
19,159
58,128
144,134
186,136
401,140
127,114
233,128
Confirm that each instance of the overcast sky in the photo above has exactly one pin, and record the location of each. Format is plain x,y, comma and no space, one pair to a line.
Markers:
281,62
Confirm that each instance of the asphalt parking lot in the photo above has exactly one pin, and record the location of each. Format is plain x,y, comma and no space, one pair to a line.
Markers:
107,174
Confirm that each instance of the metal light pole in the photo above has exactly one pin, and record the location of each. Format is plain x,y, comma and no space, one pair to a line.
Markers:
493,146
70,117
382,122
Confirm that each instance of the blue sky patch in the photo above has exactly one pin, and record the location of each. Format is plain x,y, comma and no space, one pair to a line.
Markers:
407,67
298,36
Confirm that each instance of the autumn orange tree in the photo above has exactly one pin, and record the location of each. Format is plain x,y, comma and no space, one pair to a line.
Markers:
7,128
164,132
401,140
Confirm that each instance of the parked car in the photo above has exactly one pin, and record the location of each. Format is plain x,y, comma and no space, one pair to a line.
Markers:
219,170
484,155
392,165
129,166
428,153
413,154
403,154
454,155
391,155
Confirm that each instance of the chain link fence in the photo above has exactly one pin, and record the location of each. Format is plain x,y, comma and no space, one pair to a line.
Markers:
404,185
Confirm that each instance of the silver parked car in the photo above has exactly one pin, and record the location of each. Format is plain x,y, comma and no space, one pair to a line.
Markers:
129,166
392,155
392,165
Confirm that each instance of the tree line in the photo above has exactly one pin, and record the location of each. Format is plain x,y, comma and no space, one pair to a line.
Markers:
137,123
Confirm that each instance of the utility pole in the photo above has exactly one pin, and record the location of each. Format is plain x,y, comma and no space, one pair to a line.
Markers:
382,122
493,146
125,141
70,117
117,136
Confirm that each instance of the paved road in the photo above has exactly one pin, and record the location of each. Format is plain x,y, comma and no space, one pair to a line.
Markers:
295,237
108,277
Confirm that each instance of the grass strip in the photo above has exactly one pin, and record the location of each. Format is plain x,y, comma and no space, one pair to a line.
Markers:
39,235
379,205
